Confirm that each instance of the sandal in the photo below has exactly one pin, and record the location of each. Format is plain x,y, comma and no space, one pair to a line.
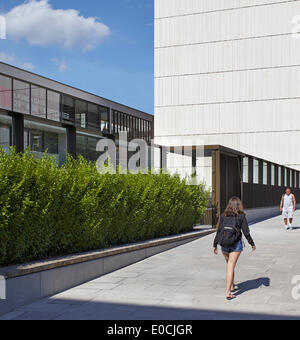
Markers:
235,288
230,297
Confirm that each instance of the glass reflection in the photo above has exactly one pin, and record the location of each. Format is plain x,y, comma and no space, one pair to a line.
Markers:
21,97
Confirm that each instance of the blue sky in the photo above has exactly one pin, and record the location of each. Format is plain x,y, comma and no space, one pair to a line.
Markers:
111,55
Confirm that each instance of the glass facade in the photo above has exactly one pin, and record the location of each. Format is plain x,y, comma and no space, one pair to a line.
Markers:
5,132
265,173
246,170
135,127
21,96
104,112
53,106
272,174
40,141
93,117
5,93
285,178
255,171
279,176
38,101
40,138
86,147
68,109
81,114
89,118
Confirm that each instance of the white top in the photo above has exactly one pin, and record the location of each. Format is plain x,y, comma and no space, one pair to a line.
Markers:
288,201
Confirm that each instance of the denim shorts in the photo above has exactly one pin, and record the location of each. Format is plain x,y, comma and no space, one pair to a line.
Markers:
237,248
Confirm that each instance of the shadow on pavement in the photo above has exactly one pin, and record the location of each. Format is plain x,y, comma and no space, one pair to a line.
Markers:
252,285
113,311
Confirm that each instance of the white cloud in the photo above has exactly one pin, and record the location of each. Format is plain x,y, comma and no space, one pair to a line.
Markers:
36,22
61,65
13,60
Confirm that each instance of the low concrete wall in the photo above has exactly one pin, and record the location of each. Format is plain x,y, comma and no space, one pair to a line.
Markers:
259,214
23,284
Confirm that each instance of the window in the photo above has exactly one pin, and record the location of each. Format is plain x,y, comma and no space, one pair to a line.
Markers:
104,115
5,92
142,129
279,177
114,117
68,109
40,141
93,117
150,130
5,132
124,121
38,101
265,173
127,123
285,178
120,122
246,170
291,179
53,106
272,174
80,114
255,171
129,127
145,130
21,97
133,127
86,147
299,180
136,129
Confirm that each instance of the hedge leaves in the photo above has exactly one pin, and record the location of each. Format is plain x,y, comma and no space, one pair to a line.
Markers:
47,210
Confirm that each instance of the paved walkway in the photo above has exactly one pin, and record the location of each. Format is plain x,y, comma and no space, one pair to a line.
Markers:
188,283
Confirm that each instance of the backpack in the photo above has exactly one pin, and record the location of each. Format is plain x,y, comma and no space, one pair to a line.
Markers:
229,234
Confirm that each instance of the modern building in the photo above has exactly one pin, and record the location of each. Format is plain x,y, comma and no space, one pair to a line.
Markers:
43,114
227,74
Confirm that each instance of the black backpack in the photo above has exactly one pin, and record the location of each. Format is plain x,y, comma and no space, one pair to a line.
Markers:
229,233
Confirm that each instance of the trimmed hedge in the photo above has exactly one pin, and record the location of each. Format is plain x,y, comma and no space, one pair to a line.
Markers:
47,210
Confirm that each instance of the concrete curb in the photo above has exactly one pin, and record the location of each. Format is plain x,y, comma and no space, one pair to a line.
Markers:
24,284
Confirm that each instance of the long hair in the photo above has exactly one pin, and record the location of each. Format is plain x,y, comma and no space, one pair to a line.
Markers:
234,208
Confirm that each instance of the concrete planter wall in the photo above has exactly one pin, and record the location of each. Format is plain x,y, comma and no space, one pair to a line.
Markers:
26,283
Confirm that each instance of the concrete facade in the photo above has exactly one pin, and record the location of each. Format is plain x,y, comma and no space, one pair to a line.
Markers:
226,72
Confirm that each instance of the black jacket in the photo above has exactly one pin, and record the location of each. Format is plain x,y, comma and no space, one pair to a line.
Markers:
242,223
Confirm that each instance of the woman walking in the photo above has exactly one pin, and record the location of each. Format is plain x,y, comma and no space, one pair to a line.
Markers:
233,224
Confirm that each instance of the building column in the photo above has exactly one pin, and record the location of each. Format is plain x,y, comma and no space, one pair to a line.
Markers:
71,141
18,132
163,157
216,187
194,161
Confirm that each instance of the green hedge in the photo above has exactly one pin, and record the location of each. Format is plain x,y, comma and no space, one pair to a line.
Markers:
47,210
